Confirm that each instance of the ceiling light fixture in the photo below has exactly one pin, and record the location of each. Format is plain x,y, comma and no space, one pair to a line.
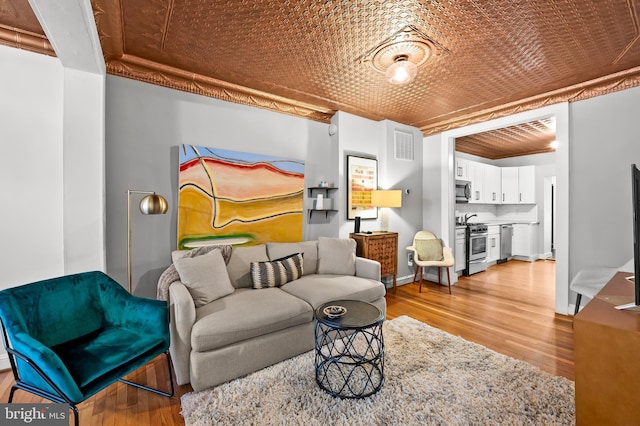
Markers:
399,56
401,71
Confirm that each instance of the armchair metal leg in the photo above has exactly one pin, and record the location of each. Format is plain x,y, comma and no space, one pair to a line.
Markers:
50,397
159,392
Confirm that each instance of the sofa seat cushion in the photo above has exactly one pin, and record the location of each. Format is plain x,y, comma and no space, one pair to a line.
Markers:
319,289
245,314
105,352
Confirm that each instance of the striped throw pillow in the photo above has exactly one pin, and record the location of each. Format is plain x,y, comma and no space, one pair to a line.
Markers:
276,272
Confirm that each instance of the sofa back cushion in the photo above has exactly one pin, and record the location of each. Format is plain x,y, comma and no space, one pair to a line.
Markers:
309,250
336,256
239,266
205,277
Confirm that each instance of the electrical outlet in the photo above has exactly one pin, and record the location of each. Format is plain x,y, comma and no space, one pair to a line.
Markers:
410,259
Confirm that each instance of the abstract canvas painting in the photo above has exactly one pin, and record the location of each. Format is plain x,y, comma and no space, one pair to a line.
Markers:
231,197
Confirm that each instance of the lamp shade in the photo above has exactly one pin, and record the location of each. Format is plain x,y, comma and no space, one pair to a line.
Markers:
153,204
386,198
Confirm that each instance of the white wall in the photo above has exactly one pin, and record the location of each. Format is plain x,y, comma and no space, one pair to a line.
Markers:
605,135
31,167
405,175
83,159
365,138
145,124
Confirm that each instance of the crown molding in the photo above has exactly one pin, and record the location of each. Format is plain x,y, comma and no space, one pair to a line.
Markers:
20,39
601,86
151,72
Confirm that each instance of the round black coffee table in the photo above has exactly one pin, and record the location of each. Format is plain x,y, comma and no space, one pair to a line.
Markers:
349,349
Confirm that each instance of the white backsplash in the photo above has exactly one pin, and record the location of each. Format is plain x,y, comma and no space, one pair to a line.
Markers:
493,212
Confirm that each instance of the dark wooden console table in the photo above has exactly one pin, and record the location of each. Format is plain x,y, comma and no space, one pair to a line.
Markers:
607,357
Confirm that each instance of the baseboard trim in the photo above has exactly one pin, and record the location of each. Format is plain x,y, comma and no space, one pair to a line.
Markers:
433,277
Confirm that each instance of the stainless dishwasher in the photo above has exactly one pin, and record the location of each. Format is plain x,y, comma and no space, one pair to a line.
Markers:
506,236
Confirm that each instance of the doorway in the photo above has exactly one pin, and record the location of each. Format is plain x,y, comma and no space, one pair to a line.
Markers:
561,189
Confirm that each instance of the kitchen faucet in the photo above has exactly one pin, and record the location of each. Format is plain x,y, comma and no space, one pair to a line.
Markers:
467,217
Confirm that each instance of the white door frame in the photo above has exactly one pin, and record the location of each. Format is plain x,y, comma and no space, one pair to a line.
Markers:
561,114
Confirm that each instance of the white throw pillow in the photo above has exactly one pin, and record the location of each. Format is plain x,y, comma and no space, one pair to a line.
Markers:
205,277
336,256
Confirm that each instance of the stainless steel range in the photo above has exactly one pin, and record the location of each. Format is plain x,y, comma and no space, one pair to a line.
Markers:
477,237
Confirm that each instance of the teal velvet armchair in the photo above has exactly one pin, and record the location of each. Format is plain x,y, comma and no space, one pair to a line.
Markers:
72,336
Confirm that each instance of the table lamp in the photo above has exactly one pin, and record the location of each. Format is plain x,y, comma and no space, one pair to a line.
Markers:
386,198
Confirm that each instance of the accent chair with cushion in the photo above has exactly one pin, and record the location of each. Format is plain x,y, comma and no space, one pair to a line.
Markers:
429,250
72,336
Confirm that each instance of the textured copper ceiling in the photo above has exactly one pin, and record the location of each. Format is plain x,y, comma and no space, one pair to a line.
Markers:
528,138
301,57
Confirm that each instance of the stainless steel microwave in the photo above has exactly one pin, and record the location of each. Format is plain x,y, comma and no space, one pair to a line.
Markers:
463,191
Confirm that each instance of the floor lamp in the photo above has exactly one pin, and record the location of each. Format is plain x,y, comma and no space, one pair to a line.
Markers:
388,198
152,203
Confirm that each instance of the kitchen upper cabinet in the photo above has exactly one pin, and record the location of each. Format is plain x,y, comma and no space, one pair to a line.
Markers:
509,185
527,184
476,176
498,185
518,185
462,169
492,184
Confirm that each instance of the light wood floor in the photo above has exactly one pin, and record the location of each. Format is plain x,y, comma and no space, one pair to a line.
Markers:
508,308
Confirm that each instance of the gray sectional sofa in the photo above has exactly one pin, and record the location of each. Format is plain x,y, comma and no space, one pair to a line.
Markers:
241,329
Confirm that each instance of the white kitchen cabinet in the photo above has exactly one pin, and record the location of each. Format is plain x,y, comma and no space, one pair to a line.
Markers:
527,184
492,184
518,185
476,176
509,185
493,243
462,169
460,249
525,241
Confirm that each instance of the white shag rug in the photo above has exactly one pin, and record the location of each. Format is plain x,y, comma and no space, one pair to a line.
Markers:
431,378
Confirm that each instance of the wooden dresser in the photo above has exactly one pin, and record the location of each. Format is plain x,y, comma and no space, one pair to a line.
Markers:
380,246
606,352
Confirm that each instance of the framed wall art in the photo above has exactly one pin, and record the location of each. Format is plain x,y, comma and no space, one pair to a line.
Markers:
362,178
231,197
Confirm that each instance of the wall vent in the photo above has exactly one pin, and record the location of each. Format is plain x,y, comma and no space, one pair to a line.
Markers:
403,145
